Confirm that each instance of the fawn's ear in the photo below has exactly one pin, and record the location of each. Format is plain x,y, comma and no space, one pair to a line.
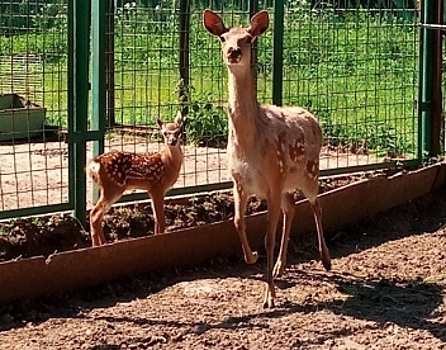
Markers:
259,23
213,23
179,119
159,123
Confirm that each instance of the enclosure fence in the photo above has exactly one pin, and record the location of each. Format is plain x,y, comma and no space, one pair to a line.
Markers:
78,78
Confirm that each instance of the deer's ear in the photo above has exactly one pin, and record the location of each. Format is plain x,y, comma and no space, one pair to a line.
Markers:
213,23
159,123
259,23
179,119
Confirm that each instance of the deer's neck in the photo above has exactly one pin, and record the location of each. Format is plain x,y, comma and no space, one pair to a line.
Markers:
243,105
174,155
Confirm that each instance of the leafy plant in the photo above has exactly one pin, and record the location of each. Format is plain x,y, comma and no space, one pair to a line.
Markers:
206,123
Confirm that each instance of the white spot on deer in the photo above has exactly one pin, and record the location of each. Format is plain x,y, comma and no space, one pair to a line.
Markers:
282,147
312,169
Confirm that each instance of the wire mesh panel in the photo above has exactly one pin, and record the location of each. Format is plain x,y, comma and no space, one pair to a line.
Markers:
165,61
33,103
151,80
355,65
142,73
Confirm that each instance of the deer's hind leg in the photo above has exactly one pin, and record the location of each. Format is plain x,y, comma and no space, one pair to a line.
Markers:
323,250
288,209
103,205
310,191
273,219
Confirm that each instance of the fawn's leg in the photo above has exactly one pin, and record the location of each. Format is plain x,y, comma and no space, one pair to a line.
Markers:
158,212
103,205
288,209
240,201
270,238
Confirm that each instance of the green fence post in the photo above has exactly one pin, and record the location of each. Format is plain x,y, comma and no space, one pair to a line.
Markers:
98,21
184,55
78,58
427,61
437,99
110,63
279,17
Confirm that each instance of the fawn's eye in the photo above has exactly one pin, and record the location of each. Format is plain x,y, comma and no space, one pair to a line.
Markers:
165,133
222,39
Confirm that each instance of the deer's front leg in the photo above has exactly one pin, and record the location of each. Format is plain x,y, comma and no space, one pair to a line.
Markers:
158,212
240,201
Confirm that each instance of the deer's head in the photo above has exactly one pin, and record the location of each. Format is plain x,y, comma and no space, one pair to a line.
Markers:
171,131
236,42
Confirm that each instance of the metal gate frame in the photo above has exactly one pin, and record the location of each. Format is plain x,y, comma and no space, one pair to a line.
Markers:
430,77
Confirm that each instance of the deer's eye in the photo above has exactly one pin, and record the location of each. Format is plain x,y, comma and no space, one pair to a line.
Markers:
222,39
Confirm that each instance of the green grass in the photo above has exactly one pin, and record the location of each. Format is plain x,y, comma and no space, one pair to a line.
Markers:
356,71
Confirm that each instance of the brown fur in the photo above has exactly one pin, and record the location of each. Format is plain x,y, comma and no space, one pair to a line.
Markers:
116,172
272,150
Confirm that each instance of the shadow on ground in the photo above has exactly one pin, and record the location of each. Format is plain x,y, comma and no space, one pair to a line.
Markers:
409,303
403,302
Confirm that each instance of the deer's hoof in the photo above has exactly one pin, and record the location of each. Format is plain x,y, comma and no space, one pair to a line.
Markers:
278,269
327,264
268,303
251,259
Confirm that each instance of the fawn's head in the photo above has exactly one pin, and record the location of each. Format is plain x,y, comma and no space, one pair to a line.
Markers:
171,131
236,42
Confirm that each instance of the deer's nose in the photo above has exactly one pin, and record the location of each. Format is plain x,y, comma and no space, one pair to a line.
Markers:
234,52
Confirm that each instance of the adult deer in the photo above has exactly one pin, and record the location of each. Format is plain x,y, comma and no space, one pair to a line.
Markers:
116,172
272,151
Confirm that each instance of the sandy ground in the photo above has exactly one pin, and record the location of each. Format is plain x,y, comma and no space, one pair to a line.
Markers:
386,291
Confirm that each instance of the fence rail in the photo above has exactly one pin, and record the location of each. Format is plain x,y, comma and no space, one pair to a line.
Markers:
363,67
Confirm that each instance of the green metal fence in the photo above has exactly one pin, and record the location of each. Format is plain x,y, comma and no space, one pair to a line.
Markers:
355,64
33,64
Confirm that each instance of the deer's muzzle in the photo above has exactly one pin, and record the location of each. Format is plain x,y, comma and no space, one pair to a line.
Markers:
234,55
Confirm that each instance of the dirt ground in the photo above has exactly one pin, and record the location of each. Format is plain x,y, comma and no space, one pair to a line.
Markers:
386,291
36,173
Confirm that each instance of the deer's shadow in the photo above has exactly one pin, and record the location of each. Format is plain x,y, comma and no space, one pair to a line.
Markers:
406,303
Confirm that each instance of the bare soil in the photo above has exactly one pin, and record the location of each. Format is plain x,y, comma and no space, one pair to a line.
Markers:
386,291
